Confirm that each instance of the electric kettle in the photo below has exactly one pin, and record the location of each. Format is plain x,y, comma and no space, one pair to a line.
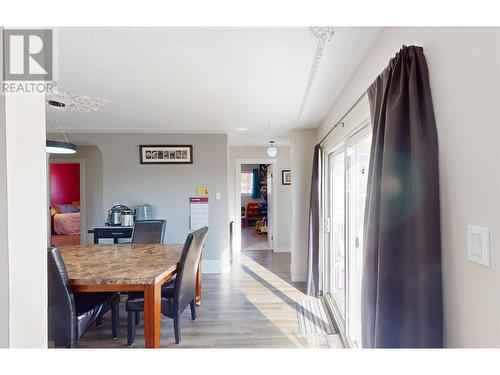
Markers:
126,218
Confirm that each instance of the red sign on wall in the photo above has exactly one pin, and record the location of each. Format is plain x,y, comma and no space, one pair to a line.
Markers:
198,200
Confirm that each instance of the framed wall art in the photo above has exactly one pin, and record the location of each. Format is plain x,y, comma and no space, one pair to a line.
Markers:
286,177
166,154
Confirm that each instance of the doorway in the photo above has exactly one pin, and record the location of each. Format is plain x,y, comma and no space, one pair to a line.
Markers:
66,197
255,217
254,207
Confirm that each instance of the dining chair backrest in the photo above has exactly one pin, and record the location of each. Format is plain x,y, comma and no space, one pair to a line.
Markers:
148,231
185,281
61,303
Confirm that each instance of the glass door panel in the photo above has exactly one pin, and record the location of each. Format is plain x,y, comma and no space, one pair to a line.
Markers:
345,196
357,179
337,231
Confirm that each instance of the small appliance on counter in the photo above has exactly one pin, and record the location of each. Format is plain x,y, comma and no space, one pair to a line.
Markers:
143,212
126,218
115,213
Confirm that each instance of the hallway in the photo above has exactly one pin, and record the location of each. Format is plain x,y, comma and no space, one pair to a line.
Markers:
250,241
253,306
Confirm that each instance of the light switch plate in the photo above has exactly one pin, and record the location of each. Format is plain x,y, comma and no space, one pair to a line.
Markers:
478,245
217,196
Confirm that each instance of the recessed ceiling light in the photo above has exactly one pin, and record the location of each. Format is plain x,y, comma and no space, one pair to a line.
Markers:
242,129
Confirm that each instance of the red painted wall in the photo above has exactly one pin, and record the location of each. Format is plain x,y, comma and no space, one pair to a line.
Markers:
64,183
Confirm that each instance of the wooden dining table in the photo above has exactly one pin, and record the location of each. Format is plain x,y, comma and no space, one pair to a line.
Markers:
126,268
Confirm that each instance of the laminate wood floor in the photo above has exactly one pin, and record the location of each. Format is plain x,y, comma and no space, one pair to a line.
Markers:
250,241
253,306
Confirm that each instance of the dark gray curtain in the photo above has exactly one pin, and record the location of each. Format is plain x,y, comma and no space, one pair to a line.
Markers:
314,213
401,288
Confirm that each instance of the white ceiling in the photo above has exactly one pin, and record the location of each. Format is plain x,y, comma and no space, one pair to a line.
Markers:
216,80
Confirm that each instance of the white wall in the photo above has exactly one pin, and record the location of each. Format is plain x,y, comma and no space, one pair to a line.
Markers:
302,148
23,259
464,67
23,220
284,193
27,221
167,187
4,250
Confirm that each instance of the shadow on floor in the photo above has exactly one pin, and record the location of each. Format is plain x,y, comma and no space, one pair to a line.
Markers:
308,314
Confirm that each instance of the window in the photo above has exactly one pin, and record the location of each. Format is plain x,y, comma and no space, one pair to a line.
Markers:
246,183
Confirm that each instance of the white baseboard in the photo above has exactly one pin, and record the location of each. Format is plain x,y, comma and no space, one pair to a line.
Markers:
299,278
299,274
285,249
214,266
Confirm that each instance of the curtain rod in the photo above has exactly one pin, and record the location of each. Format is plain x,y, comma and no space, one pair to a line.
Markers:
340,123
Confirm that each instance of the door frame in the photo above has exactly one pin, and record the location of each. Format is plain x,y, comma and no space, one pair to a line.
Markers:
237,202
83,212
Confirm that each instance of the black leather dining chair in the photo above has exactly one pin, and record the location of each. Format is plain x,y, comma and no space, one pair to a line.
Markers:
176,296
71,314
148,231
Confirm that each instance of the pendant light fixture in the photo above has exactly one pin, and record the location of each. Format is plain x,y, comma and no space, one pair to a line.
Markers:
60,147
272,151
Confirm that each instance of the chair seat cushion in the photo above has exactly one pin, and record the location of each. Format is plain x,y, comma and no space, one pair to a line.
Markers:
135,302
85,320
168,290
87,301
90,305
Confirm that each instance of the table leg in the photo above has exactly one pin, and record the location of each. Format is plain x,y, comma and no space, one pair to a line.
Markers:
152,315
198,286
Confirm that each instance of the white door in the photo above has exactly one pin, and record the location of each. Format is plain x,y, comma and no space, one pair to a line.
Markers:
270,198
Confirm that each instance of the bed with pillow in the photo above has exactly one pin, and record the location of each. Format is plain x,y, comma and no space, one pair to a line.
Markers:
66,218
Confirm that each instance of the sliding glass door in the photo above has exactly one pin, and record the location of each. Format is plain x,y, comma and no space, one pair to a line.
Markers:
337,260
345,195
